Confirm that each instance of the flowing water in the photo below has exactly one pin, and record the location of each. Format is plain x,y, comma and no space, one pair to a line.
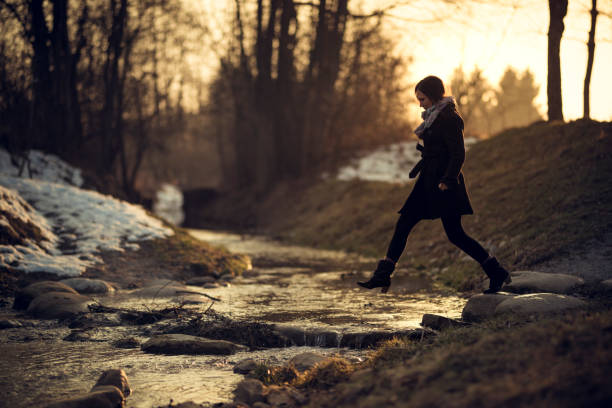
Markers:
306,288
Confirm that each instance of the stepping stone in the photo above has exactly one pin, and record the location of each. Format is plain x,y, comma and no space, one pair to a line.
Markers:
537,282
86,285
482,306
115,377
245,366
539,303
58,305
25,295
103,397
109,392
437,322
305,361
186,344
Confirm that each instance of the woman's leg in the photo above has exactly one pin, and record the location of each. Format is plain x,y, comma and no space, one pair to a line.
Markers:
496,273
404,225
382,275
456,235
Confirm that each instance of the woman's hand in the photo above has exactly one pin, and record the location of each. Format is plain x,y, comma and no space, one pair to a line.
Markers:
442,186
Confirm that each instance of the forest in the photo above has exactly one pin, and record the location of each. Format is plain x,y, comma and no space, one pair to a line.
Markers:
295,88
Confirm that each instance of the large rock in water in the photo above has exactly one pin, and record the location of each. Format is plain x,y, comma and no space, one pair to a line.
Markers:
538,303
103,397
186,344
481,307
109,392
116,378
245,366
306,361
86,285
537,282
438,322
58,305
24,296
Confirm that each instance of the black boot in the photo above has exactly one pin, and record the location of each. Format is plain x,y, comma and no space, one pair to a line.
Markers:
381,277
496,273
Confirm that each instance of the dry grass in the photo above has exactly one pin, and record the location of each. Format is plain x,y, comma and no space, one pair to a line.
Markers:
326,374
184,250
559,361
274,375
323,375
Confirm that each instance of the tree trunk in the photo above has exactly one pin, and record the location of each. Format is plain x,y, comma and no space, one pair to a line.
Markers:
111,112
589,70
558,10
41,67
323,72
67,113
286,133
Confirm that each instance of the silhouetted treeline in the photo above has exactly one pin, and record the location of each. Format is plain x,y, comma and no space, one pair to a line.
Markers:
82,79
301,87
488,109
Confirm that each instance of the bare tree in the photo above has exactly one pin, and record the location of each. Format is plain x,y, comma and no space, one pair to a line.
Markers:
591,57
97,87
557,11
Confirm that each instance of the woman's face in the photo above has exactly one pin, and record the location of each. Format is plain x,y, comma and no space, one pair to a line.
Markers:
424,101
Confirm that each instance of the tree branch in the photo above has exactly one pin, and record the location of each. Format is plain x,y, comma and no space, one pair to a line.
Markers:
21,19
375,13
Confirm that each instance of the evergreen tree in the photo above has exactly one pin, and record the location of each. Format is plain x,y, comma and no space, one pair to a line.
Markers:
515,98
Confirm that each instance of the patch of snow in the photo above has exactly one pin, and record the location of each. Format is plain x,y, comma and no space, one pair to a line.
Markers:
89,221
391,163
42,166
169,204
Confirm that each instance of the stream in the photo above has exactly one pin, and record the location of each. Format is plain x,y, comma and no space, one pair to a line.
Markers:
299,287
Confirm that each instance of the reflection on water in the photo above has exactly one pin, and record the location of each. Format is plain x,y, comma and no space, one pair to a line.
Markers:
308,288
33,374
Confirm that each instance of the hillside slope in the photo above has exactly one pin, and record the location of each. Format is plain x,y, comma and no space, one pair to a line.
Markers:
539,193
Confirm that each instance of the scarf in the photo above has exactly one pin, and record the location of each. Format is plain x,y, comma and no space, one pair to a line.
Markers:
430,114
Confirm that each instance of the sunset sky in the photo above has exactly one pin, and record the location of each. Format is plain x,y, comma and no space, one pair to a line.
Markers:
489,34
493,37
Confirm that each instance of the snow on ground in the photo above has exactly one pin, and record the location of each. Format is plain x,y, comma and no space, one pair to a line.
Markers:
390,163
169,204
42,166
76,224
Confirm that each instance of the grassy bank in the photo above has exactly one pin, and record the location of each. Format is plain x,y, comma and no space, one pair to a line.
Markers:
538,193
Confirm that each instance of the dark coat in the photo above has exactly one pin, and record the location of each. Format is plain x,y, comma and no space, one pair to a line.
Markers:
442,154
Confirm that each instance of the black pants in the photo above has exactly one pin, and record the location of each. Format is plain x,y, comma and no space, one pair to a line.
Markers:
454,231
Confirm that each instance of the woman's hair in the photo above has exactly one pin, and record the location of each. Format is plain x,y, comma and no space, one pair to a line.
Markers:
432,87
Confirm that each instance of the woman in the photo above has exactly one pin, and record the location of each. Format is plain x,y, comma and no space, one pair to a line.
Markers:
440,190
